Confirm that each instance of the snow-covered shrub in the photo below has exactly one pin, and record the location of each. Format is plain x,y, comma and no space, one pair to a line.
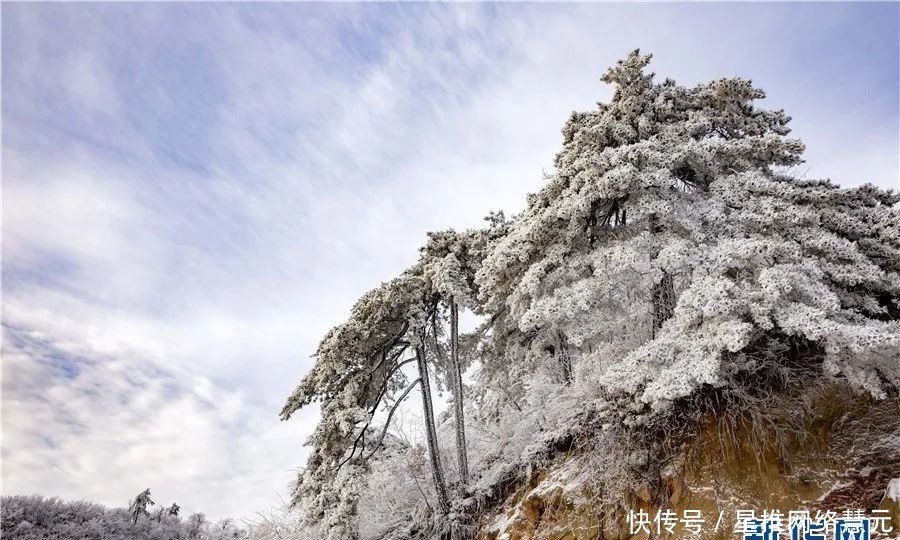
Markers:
34,517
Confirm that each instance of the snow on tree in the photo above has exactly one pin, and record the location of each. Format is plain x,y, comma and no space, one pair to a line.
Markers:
357,369
34,517
139,505
196,524
451,261
647,189
790,260
670,252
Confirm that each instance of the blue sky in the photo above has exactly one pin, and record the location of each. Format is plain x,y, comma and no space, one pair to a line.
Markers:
194,193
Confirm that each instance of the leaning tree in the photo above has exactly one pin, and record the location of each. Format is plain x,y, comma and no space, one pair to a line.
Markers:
357,370
138,506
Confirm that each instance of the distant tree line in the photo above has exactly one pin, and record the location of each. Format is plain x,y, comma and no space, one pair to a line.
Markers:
33,517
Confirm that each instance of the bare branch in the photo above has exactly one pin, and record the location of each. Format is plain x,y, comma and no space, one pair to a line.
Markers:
387,422
387,379
381,392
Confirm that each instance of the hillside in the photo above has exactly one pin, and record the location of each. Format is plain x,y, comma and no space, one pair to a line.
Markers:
825,449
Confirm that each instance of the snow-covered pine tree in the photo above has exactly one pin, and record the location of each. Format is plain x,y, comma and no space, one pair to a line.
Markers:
669,241
445,263
357,369
451,260
138,506
784,264
597,258
357,366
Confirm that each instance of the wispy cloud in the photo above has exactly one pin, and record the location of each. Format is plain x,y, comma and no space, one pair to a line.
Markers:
194,193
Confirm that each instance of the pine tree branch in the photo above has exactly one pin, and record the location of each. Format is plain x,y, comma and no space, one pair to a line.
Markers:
387,422
360,436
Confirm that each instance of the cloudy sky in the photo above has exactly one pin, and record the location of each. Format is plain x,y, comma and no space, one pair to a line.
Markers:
193,194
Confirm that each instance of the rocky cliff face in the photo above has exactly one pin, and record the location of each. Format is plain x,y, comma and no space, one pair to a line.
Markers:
843,456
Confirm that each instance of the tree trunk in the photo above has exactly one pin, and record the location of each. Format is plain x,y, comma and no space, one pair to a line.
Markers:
565,361
663,293
461,456
440,485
